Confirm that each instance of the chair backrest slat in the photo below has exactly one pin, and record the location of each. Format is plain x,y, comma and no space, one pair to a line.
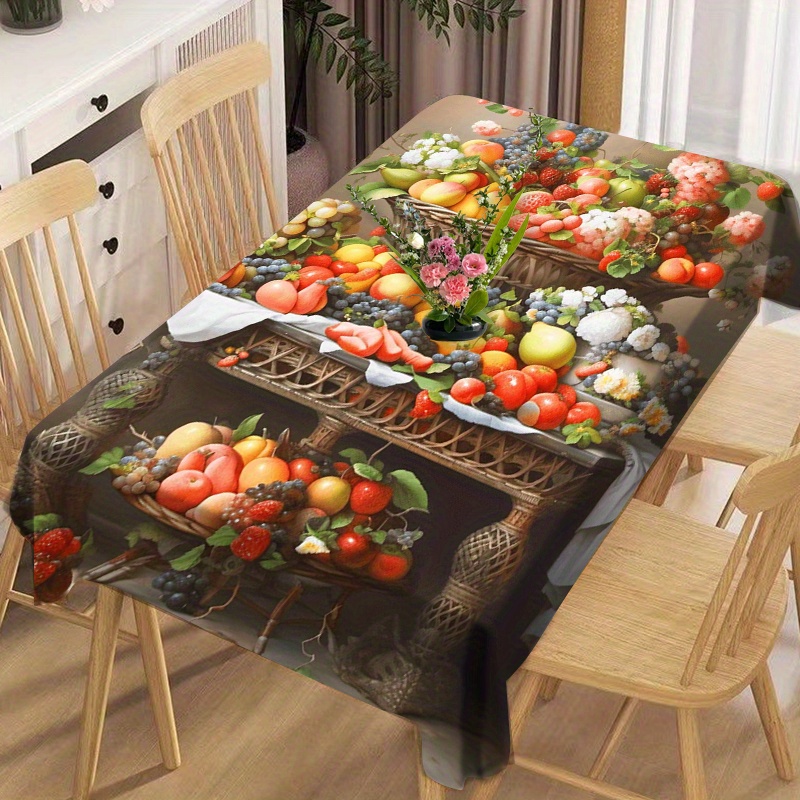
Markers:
66,311
203,132
37,368
768,493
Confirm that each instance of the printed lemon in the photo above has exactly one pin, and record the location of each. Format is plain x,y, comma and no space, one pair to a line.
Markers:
354,253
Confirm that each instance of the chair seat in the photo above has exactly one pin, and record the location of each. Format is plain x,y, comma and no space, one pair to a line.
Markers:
629,623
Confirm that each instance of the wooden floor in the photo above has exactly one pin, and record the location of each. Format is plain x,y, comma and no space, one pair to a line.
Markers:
250,730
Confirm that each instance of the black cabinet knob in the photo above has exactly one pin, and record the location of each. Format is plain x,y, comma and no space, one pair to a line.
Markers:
111,245
100,103
106,189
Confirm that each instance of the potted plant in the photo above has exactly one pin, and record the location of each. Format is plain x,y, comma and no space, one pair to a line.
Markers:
319,34
453,273
30,16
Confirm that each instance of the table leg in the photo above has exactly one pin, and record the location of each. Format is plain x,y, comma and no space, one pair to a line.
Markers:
9,563
655,486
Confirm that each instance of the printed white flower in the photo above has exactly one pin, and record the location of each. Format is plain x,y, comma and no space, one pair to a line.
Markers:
450,137
589,291
411,157
608,325
632,301
427,142
572,298
643,338
724,325
618,384
537,295
716,294
416,241
615,297
660,351
731,304
645,312
311,544
655,415
486,127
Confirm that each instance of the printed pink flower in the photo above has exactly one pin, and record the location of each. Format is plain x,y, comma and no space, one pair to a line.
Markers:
515,112
744,228
697,176
433,274
455,289
474,264
483,102
486,127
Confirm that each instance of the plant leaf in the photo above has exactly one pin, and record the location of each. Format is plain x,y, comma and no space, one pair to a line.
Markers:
342,519
368,471
477,301
222,537
246,428
189,559
408,491
354,455
106,460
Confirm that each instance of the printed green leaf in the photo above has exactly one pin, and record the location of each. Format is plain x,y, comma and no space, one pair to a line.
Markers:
189,559
510,296
42,522
775,205
368,471
371,166
433,369
304,670
342,519
246,428
560,236
663,148
275,561
738,198
122,401
435,383
353,455
382,193
222,537
108,459
87,543
144,530
408,491
496,108
379,537
477,301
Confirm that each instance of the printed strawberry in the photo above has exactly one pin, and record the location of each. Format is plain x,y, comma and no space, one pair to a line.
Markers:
528,179
380,248
390,564
550,177
391,268
228,361
265,511
564,192
686,214
425,407
42,570
606,260
379,231
52,589
544,153
658,182
251,543
591,369
370,497
769,190
571,177
53,543
71,549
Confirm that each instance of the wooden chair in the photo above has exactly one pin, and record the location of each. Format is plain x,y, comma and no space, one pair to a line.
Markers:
678,613
204,136
707,432
40,368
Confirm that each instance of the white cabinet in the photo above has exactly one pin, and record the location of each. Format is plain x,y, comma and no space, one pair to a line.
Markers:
82,101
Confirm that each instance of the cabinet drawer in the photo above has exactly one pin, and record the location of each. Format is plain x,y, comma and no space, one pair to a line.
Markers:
136,219
9,165
73,115
119,169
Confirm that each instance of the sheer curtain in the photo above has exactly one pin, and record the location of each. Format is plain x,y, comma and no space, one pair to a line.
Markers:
716,76
536,63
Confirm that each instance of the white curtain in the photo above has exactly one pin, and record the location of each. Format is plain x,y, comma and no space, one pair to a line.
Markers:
512,67
716,76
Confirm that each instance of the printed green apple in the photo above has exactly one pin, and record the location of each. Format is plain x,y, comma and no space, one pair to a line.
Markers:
400,177
548,345
626,192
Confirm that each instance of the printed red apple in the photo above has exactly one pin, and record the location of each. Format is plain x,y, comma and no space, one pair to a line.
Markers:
552,410
184,490
546,377
707,275
512,387
580,412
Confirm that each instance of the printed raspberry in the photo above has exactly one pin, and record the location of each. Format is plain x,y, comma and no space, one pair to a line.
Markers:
425,407
266,511
53,543
251,543
550,177
687,214
565,192
528,179
544,153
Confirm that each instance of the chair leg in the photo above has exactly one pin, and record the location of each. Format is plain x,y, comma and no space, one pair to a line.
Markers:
795,550
695,464
98,682
767,703
155,669
694,778
614,738
9,563
521,706
655,486
550,689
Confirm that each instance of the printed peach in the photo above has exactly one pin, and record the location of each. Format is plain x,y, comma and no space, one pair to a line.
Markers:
419,187
494,362
263,470
400,287
184,490
444,194
676,270
489,152
470,180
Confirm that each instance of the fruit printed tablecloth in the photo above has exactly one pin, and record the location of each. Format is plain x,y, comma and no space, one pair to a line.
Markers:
292,463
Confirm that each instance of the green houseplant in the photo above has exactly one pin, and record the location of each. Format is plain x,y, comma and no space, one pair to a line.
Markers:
318,34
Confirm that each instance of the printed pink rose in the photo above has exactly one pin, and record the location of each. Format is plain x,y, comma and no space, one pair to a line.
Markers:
433,274
486,127
455,289
473,265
